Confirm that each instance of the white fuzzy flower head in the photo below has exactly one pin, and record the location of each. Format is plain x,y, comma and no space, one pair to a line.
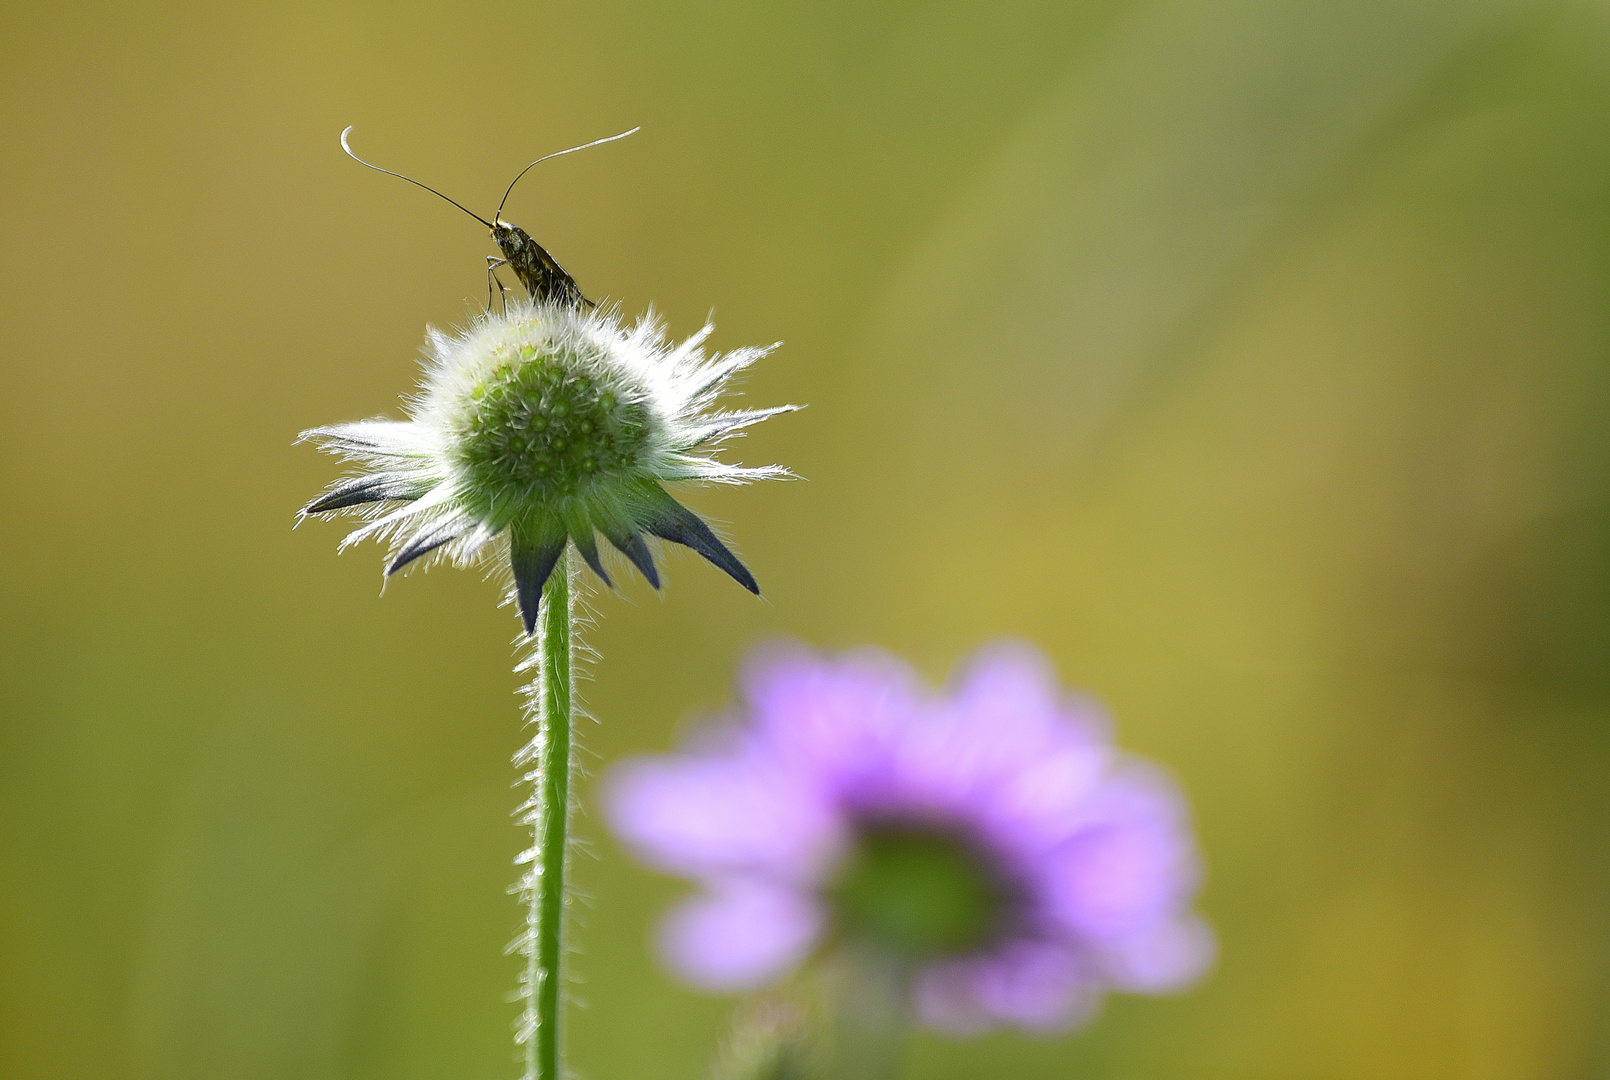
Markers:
547,424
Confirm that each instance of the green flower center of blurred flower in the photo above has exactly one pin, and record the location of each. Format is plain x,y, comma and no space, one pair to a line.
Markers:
916,892
543,424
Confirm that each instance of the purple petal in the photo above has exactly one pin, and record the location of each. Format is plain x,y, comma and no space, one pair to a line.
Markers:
963,758
713,816
1168,957
1035,986
1130,867
952,763
1039,807
1011,687
740,936
833,721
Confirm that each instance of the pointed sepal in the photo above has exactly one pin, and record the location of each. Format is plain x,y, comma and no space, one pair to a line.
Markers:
670,520
370,488
532,563
422,544
587,544
632,545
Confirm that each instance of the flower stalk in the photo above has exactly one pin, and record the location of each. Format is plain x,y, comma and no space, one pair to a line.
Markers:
866,994
550,702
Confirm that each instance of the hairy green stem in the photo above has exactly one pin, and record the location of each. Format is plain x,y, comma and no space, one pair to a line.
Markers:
548,813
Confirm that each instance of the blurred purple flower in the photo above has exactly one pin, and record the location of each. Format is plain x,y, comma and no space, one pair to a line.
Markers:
990,839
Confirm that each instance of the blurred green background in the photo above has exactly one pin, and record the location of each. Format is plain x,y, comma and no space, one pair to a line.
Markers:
1251,357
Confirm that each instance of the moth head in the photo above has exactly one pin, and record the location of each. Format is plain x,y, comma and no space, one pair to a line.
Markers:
509,238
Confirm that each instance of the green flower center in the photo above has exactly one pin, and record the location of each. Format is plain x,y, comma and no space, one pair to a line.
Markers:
543,425
918,892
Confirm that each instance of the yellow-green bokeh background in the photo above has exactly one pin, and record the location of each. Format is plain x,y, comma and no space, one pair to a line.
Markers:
1250,357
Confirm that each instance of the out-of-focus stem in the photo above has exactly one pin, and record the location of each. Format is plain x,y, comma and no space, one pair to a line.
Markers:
868,1010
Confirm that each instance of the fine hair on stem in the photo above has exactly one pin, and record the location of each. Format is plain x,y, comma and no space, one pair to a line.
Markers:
546,762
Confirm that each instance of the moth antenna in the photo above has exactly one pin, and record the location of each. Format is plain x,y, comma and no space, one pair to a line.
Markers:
416,183
539,161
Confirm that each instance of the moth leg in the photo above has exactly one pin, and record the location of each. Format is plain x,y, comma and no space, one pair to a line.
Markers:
492,264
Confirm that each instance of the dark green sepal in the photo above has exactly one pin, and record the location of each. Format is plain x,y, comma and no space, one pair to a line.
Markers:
587,544
423,544
532,563
359,490
670,520
631,545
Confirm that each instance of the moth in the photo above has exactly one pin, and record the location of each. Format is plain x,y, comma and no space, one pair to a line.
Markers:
544,279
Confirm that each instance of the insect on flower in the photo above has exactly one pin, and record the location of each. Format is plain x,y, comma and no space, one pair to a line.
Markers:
538,271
